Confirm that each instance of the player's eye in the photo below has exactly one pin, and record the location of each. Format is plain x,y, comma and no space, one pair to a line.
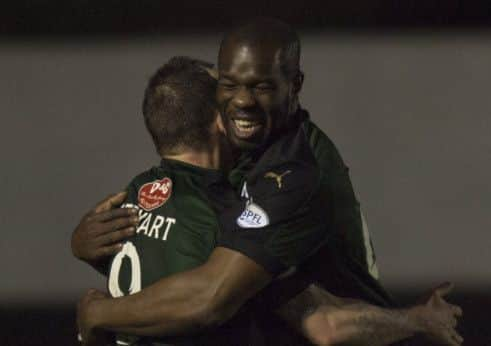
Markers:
264,87
226,85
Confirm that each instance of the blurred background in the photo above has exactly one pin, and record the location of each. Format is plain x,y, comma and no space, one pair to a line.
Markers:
401,87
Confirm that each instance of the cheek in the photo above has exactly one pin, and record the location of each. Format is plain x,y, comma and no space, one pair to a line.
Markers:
273,103
266,102
223,97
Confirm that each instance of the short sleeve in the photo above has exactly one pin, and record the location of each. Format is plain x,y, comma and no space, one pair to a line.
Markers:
279,221
345,213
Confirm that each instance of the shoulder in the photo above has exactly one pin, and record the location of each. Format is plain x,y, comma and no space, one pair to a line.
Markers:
152,174
323,148
286,176
315,136
327,156
150,189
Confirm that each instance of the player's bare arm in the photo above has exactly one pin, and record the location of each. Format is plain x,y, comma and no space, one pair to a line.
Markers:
330,320
100,232
209,295
190,301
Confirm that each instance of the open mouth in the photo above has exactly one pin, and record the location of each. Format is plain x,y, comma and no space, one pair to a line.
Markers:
246,128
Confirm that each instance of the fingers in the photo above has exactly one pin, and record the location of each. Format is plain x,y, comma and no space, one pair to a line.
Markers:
449,338
456,338
453,322
450,335
457,310
443,289
99,235
118,198
116,236
95,293
109,250
113,214
110,202
103,233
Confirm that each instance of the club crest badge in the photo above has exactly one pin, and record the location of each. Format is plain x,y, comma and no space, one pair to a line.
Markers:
155,194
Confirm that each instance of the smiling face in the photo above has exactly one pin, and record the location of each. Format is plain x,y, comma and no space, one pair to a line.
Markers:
254,95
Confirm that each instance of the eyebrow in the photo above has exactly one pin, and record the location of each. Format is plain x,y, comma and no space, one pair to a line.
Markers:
256,80
225,75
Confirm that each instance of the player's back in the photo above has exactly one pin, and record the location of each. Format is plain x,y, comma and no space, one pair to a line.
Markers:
177,227
176,232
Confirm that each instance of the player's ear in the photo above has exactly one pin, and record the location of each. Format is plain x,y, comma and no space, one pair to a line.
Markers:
298,82
219,123
212,72
295,87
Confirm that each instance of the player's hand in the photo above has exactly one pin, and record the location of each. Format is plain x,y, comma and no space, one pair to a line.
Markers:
438,318
88,334
101,230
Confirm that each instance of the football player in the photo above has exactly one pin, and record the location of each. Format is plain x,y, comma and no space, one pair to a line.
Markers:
279,220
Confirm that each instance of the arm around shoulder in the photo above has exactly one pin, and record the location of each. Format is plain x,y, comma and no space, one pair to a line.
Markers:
200,298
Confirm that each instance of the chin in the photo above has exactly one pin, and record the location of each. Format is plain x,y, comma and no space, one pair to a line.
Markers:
245,145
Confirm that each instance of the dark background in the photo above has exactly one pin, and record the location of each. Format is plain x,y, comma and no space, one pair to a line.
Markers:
402,87
113,17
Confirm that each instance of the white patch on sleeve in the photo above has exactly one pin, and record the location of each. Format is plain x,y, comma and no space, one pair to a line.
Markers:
253,216
372,265
244,193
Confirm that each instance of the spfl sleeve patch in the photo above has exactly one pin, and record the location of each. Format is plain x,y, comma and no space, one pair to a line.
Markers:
253,216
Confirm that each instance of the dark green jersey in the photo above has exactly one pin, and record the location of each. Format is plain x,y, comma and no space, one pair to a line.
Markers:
345,215
177,228
177,231
284,207
278,219
297,215
298,192
350,250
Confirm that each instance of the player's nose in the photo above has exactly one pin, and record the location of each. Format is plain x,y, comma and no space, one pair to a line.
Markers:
244,98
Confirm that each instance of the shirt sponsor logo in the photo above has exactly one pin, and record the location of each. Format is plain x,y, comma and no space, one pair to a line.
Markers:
253,216
155,194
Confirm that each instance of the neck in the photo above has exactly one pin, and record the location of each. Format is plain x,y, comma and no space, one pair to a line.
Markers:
208,158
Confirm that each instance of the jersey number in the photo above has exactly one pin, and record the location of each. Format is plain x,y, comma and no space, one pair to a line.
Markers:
135,285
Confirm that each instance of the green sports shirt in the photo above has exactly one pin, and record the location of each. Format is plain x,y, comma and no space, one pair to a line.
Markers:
177,228
299,217
177,231
279,207
298,213
319,170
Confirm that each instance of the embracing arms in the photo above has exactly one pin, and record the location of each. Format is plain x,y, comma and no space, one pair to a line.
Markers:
330,320
185,302
211,293
100,232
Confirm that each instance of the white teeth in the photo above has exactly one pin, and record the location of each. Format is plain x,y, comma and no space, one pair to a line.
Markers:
245,124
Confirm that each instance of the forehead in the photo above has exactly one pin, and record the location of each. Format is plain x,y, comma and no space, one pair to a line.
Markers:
249,61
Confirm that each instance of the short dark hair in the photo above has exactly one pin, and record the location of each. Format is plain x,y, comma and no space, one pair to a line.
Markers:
269,31
179,105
